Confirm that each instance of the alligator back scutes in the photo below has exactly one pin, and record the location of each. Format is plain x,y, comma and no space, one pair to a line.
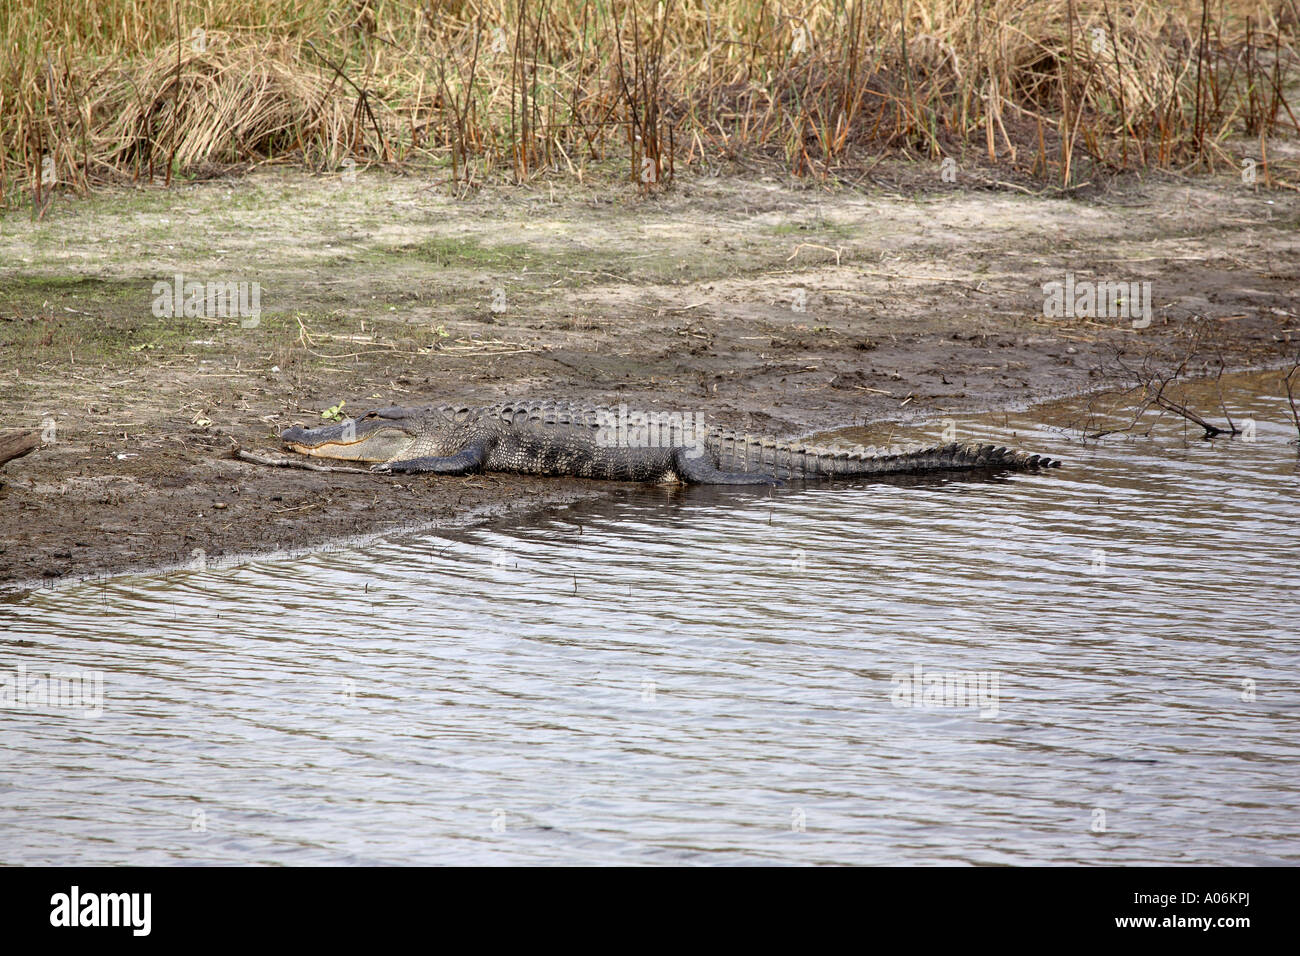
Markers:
524,414
542,413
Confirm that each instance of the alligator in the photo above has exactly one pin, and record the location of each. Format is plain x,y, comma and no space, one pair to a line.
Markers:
587,441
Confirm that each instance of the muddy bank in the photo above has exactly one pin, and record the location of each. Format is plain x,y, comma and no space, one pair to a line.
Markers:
775,307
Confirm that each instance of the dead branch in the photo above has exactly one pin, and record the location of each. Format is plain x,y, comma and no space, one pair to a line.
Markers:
1141,409
1218,380
1182,410
16,444
1153,383
1290,397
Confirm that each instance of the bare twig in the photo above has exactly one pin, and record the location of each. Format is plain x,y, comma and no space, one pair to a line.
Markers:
1137,415
362,97
1153,383
1290,397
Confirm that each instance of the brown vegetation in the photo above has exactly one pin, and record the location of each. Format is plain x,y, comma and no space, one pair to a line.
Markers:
99,91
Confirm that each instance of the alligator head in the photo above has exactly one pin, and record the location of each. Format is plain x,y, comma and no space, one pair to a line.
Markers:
379,435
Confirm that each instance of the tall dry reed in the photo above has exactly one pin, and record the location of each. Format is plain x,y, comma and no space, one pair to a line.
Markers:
97,90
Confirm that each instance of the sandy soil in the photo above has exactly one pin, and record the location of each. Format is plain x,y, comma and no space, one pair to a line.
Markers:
773,306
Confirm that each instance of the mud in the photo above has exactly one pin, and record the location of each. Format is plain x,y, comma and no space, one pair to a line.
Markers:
774,306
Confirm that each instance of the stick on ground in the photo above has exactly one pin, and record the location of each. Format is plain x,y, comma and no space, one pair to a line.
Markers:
16,444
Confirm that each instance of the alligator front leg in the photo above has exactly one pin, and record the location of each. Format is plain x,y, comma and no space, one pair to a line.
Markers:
465,462
700,471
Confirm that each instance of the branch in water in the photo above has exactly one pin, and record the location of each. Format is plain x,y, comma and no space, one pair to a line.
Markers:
1153,383
1295,415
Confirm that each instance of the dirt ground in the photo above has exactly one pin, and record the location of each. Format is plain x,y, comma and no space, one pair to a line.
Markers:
775,306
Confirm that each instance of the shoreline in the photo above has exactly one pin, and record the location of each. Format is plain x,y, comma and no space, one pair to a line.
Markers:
554,492
767,306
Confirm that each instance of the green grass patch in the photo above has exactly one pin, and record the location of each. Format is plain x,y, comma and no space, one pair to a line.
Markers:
815,229
465,252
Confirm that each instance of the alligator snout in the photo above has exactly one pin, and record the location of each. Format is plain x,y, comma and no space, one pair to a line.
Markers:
297,432
364,439
300,437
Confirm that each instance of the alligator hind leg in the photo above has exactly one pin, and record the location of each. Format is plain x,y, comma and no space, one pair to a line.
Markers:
466,462
701,471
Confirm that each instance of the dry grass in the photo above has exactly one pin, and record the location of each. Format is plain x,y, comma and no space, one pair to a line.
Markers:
97,90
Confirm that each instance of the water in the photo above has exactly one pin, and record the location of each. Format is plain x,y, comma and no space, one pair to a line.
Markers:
709,676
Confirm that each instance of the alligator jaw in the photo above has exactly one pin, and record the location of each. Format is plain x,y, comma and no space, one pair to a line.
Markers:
366,439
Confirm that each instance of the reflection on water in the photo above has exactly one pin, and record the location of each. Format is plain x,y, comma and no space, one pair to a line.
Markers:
708,675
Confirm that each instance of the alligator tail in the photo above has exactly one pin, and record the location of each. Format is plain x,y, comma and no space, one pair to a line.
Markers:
956,456
748,453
